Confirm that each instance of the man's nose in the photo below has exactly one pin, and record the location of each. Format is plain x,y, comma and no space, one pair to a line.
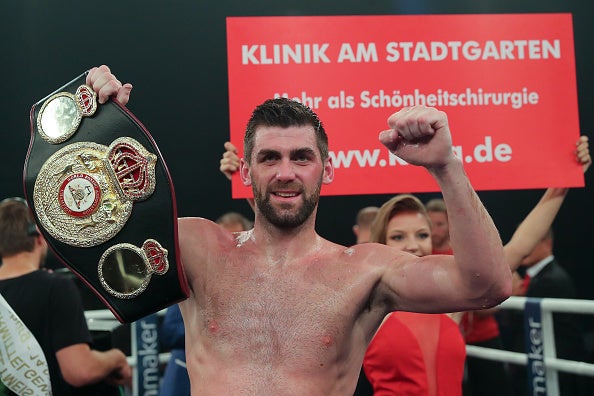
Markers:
285,171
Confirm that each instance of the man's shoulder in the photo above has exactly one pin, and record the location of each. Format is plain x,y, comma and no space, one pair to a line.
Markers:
55,276
55,282
191,225
44,286
184,222
198,230
365,256
366,248
40,276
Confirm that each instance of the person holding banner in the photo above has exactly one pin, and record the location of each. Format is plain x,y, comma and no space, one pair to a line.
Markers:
280,310
47,307
545,277
480,328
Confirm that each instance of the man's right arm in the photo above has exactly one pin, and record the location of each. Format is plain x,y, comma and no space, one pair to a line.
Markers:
80,365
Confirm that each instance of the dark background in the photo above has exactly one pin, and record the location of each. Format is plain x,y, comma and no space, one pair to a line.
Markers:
175,55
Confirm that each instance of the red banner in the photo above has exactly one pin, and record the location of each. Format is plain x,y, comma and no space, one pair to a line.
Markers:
507,83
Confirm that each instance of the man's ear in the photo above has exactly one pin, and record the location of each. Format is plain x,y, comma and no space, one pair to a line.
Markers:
40,241
328,176
244,172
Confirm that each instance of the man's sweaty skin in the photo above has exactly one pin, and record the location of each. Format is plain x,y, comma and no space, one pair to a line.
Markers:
279,310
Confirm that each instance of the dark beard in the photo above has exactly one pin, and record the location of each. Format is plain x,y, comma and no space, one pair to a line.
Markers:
287,221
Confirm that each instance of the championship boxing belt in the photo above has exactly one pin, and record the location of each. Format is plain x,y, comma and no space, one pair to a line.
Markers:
103,198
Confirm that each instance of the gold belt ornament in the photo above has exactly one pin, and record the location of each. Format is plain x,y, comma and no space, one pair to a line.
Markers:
62,112
84,192
125,270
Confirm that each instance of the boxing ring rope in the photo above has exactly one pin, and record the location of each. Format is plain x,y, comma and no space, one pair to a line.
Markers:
552,364
104,320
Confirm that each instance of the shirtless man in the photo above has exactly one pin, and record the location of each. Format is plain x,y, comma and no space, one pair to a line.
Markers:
278,310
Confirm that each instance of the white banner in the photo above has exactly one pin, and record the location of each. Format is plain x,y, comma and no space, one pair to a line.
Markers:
23,368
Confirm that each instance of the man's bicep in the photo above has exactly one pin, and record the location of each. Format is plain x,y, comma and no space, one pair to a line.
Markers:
396,270
74,361
424,284
68,325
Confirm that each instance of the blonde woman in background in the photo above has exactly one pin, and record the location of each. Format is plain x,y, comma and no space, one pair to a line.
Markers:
413,353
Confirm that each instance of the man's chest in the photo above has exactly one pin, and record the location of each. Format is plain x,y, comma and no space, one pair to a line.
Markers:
278,313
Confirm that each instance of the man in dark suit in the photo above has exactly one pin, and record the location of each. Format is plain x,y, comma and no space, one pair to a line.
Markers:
545,277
